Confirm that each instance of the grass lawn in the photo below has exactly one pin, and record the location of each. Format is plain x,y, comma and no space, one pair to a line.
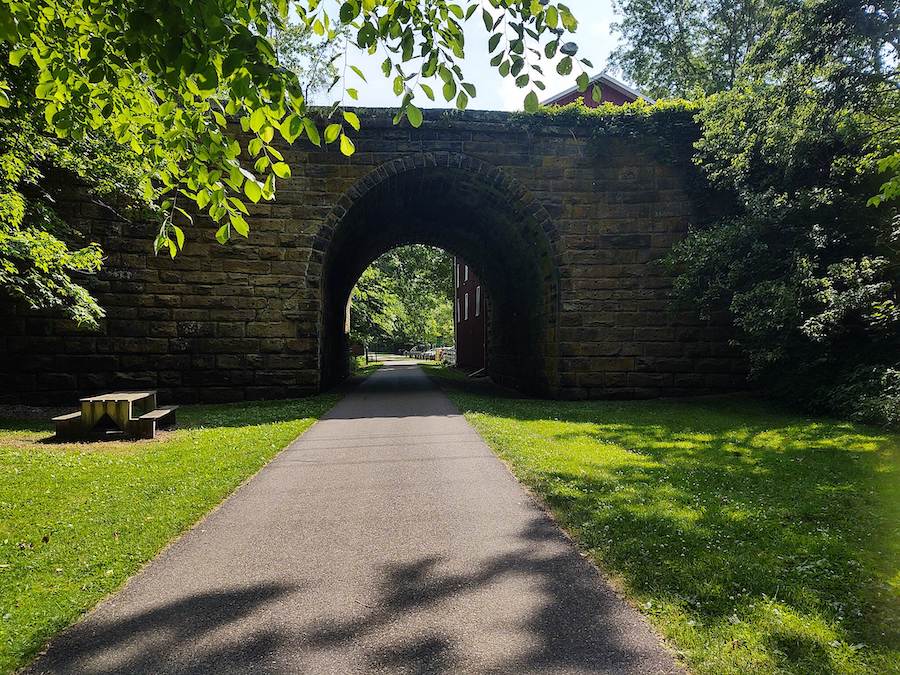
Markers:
76,520
363,369
755,539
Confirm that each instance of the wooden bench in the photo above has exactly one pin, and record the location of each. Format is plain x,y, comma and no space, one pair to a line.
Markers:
69,425
148,423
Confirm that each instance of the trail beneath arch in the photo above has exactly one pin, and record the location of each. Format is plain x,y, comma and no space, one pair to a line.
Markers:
388,538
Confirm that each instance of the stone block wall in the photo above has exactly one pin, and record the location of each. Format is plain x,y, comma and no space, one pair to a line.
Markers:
566,235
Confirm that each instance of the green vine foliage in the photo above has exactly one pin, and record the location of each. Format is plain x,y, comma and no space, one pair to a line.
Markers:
669,126
668,129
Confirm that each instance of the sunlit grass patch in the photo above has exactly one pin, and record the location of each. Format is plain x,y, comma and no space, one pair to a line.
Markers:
77,519
755,540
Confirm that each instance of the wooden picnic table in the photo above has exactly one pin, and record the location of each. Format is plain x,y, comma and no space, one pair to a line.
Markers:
131,412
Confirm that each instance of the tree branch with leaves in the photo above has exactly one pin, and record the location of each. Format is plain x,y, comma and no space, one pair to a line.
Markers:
166,79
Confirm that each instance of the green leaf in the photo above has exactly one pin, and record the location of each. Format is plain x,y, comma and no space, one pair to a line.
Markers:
238,204
223,234
45,89
16,56
347,146
583,81
291,127
348,11
281,169
179,236
429,92
551,16
414,115
358,72
570,23
332,131
239,224
257,119
449,90
252,190
532,104
312,131
352,119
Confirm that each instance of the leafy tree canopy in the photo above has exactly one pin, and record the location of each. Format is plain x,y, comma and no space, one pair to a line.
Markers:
688,47
404,298
808,265
164,79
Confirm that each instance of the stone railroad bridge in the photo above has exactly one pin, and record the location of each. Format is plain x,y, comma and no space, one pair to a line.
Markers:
565,232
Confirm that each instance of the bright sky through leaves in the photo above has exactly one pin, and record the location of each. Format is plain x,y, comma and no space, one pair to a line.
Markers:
594,38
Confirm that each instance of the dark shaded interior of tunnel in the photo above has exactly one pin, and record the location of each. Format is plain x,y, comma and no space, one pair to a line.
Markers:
476,220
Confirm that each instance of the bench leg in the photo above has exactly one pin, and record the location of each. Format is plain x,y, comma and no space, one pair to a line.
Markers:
142,428
69,429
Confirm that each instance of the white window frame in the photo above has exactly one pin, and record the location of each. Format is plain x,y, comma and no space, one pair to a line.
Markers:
478,300
467,308
467,273
458,315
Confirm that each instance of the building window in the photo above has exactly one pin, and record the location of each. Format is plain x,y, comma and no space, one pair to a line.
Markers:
458,315
467,273
467,308
457,277
478,301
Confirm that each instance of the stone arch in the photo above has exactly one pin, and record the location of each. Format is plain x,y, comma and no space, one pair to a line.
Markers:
471,209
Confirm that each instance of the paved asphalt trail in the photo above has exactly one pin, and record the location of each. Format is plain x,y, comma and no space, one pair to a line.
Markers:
388,538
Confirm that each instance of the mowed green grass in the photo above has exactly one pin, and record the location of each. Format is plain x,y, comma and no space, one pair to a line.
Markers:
756,540
76,520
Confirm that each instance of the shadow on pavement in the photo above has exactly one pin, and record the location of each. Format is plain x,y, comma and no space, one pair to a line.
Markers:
578,627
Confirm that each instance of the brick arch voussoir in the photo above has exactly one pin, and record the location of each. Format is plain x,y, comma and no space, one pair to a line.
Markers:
522,201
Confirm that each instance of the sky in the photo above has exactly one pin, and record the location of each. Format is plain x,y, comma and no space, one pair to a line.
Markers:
594,38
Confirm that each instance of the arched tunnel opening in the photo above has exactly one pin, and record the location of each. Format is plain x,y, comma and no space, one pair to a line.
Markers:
472,214
404,302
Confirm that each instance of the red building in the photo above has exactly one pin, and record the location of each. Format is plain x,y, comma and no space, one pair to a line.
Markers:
611,91
468,317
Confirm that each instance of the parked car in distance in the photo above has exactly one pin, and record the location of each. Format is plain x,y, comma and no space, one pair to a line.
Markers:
418,351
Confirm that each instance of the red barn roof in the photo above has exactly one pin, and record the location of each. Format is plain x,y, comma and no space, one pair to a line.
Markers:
611,91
